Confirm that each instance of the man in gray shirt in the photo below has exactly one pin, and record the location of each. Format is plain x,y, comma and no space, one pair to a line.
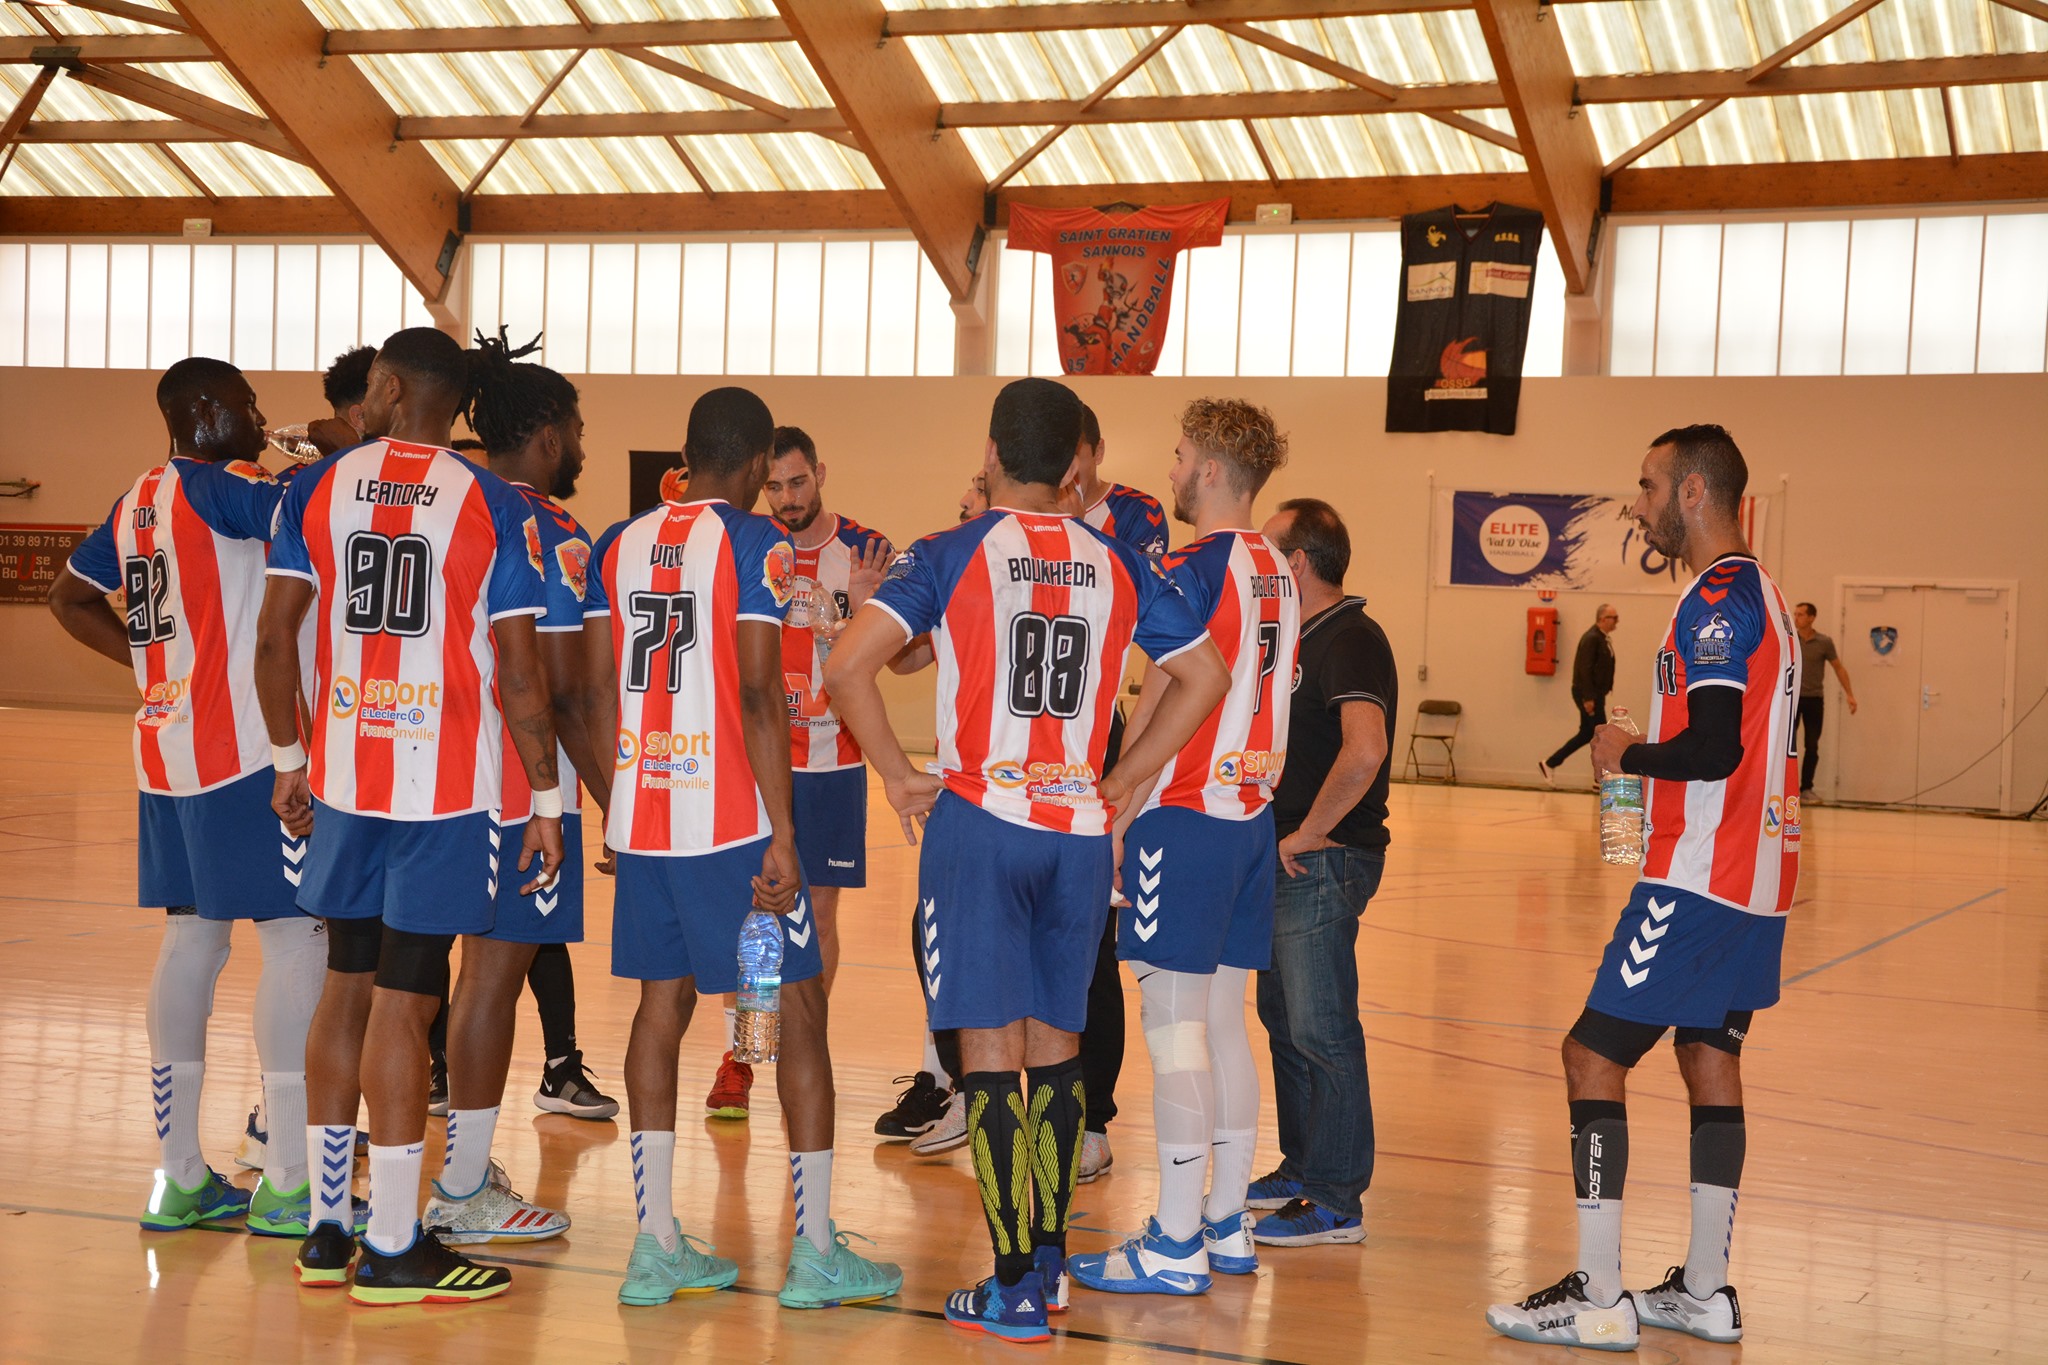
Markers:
1815,649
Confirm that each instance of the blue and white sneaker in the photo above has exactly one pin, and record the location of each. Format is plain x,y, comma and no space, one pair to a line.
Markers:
1562,1315
1272,1192
1149,1263
1014,1313
1302,1224
1231,1251
1051,1264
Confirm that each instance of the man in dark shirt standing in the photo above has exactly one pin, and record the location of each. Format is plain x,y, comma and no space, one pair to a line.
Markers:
1592,680
1330,813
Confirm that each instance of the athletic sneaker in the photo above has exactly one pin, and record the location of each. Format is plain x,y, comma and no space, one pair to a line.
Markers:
1302,1223
655,1276
1015,1313
425,1272
1272,1192
255,1136
1051,1265
567,1087
1717,1317
729,1091
277,1213
495,1213
437,1087
949,1132
917,1108
1231,1250
1149,1263
213,1200
1562,1315
827,1280
1095,1157
324,1257
1548,773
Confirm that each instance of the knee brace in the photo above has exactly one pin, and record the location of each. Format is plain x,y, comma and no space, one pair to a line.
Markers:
415,963
352,945
1173,1009
1621,1041
1182,1046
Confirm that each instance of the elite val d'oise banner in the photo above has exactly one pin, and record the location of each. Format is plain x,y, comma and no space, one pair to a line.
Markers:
1562,542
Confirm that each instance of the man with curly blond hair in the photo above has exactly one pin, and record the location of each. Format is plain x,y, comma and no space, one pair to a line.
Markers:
1198,866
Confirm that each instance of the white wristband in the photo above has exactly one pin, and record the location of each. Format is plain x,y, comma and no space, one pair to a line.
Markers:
548,803
289,758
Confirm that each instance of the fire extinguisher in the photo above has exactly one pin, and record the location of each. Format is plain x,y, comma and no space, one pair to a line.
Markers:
1540,655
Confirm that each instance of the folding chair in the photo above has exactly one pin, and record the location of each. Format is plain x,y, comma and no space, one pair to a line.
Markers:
1436,722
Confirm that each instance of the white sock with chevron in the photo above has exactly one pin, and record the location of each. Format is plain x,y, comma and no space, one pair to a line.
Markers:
654,1165
810,1178
394,1196
188,962
467,1161
332,1149
174,1097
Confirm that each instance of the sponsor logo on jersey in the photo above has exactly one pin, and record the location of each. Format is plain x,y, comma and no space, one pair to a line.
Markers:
1074,275
1251,767
533,550
1713,640
250,470
161,702
572,557
1059,784
1500,279
900,566
385,708
1436,235
778,572
672,760
806,708
1432,280
628,748
1774,817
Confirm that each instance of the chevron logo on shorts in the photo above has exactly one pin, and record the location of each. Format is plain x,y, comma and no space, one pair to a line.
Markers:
798,929
931,949
1147,901
491,880
294,854
1643,946
548,899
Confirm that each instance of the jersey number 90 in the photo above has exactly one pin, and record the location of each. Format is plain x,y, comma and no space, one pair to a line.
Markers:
389,586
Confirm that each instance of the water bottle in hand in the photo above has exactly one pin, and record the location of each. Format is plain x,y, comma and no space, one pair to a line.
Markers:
813,607
1621,806
757,1029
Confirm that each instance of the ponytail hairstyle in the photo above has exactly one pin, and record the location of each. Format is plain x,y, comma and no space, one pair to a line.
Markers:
510,401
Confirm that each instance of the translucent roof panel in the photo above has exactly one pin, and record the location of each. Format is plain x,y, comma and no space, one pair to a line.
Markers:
1631,37
15,19
130,170
355,14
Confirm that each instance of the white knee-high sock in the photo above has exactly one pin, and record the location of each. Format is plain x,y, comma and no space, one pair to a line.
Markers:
654,1166
174,1096
810,1178
284,1150
1233,1149
180,1001
466,1160
1173,1007
294,971
333,1149
731,1022
394,1196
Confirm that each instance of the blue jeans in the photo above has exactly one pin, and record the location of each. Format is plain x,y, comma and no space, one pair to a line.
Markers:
1309,1005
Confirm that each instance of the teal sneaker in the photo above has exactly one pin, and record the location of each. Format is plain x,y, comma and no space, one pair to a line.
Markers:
844,1276
280,1213
655,1276
214,1201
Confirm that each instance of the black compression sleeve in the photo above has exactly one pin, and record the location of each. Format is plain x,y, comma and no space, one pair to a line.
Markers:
1707,750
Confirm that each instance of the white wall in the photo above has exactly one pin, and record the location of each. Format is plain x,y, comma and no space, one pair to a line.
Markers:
1924,476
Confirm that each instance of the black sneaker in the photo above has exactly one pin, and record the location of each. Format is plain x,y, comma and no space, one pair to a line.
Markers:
437,1086
917,1109
425,1272
324,1257
566,1088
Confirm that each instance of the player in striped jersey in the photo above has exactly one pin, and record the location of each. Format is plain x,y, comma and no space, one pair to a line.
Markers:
185,544
701,823
1133,517
1699,944
1030,612
424,574
1198,917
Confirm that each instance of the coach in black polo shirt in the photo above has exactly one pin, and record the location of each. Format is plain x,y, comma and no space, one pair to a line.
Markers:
1330,812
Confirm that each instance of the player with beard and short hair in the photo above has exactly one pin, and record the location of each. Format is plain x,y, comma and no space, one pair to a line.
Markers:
343,386
1699,945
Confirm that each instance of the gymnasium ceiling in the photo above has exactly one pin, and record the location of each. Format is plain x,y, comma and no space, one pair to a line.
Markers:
416,119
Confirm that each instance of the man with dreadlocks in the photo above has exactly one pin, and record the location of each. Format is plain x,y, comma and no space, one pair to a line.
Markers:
532,432
421,573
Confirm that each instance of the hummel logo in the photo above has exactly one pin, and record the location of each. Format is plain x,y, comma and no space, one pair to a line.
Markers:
839,862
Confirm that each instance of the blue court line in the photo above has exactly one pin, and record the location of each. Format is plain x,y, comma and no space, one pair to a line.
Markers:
1896,933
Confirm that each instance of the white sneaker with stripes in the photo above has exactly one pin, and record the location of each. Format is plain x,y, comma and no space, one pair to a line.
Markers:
494,1213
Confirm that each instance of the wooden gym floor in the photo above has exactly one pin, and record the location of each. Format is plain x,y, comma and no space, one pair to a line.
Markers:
1895,1206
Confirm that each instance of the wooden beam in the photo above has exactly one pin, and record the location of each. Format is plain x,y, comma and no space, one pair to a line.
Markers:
168,97
111,47
342,127
25,107
547,92
707,81
689,164
157,130
1362,198
684,123
1563,155
1664,134
190,176
1902,182
555,37
1095,97
135,14
2005,68
883,94
946,23
1271,104
46,215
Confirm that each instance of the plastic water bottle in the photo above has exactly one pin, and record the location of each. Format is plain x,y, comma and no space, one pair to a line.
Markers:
813,607
757,1029
1621,806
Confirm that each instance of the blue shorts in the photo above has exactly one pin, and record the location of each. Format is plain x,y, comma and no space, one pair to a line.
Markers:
1682,960
1009,918
1200,891
552,914
223,851
422,876
831,812
679,917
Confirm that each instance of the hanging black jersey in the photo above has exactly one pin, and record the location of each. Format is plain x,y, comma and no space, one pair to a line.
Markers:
1463,320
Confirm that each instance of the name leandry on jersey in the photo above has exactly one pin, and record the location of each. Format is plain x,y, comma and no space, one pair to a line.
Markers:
385,493
1058,573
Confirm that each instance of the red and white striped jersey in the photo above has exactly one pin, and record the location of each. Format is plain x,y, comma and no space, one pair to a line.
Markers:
818,743
1735,841
1134,517
185,545
569,594
1240,583
1030,614
680,578
412,552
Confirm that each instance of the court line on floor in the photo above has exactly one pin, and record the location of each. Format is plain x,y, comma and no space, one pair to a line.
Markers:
1896,933
1102,1338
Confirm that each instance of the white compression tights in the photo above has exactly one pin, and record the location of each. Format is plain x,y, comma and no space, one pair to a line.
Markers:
1204,1091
